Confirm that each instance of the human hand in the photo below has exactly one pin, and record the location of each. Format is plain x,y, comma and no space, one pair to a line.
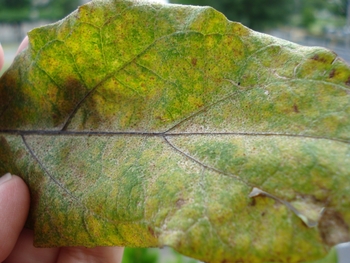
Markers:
16,243
22,46
1,57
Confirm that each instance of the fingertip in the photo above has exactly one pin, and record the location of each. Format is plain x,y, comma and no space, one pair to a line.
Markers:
23,45
24,251
21,192
14,207
96,254
1,57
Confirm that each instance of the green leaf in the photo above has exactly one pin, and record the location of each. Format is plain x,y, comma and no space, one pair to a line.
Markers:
144,125
141,255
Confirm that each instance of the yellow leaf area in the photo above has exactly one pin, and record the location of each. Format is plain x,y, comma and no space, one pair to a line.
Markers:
148,125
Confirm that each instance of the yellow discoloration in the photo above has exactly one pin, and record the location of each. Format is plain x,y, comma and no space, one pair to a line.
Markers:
138,124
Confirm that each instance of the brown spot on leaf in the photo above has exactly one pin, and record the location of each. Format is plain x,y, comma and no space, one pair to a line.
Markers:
5,95
348,82
332,74
10,97
194,62
316,57
295,108
333,228
8,158
151,231
252,202
74,92
180,202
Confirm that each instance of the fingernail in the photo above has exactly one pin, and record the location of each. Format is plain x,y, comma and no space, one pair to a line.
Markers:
5,178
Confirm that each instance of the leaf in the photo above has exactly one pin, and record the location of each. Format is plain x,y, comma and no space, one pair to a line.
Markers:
143,125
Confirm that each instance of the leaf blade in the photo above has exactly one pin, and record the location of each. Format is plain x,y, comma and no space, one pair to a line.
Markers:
172,133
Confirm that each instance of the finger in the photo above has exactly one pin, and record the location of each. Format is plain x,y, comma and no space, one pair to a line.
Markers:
1,57
23,45
14,206
25,252
91,255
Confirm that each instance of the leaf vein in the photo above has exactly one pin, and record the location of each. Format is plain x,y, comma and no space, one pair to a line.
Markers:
173,146
30,150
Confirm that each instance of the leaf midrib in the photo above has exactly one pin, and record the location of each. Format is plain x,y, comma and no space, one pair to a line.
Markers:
162,134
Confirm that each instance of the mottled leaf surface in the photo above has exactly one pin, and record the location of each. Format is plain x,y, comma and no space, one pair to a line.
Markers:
138,124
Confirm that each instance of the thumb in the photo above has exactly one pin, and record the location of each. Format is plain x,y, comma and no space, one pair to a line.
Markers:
14,206
23,45
1,57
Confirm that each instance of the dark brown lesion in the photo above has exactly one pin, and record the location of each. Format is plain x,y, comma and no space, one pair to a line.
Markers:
332,74
74,92
194,62
333,228
347,82
151,231
8,157
319,58
295,108
180,202
18,109
316,57
4,99
11,97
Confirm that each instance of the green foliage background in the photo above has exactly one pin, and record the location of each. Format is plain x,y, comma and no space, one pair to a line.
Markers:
141,255
14,11
24,10
265,14
146,255
255,14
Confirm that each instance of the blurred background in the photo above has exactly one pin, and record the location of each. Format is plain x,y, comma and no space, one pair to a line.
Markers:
307,22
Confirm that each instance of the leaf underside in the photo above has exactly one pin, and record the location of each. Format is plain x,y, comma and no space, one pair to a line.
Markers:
138,124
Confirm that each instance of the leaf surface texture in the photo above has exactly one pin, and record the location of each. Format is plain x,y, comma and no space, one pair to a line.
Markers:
139,124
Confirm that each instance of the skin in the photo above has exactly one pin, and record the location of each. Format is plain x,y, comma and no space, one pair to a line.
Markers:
14,207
